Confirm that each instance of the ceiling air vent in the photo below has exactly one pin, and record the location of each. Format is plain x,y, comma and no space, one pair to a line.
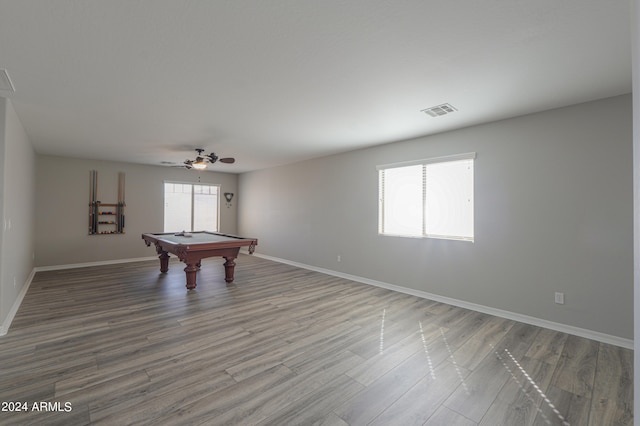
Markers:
5,81
439,110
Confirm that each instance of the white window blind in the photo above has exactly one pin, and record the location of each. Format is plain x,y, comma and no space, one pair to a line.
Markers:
190,207
428,198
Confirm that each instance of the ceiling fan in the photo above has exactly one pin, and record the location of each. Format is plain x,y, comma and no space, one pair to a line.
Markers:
202,160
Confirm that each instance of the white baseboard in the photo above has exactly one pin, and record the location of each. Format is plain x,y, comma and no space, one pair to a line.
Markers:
4,328
104,262
564,328
89,264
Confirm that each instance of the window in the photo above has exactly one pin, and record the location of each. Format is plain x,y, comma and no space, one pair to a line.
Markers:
427,198
190,207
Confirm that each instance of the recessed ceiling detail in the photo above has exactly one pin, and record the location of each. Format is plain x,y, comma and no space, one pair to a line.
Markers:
439,110
5,81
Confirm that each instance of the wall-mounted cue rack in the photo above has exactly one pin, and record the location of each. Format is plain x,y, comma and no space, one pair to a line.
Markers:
105,218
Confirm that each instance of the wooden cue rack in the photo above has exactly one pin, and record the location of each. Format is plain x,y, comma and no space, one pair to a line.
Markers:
105,218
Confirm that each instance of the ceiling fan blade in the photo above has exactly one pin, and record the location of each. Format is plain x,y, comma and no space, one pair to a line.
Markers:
228,160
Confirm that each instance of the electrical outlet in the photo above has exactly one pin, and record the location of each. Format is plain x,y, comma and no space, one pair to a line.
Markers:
560,298
339,258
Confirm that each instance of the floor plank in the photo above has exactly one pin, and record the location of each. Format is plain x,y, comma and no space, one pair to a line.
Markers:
126,344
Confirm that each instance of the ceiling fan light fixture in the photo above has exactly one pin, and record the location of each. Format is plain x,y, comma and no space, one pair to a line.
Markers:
199,165
203,160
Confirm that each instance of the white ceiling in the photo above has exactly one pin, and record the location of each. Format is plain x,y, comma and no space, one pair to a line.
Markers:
277,81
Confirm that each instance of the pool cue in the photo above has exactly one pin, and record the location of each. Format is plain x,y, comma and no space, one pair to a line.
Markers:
120,220
96,203
90,201
93,207
117,221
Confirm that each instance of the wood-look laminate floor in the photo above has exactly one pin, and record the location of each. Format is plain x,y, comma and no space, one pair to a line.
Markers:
124,344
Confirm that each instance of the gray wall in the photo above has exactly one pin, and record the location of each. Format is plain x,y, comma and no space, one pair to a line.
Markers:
553,212
63,206
635,44
17,208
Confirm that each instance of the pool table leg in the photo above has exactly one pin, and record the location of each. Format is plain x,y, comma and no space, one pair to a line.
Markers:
164,261
191,270
229,267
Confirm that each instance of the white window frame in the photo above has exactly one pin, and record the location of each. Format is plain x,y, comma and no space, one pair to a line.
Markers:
219,189
425,164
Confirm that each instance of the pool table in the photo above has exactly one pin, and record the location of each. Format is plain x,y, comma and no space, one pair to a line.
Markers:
192,247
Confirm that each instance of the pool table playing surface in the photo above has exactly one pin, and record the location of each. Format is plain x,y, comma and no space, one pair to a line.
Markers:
192,247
